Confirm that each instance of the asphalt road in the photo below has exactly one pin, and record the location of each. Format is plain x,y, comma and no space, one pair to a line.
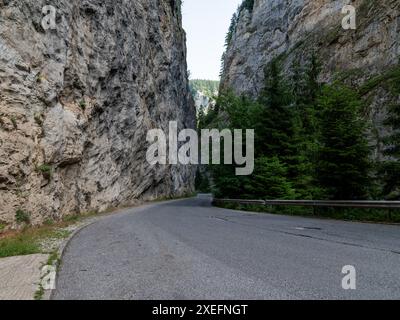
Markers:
190,250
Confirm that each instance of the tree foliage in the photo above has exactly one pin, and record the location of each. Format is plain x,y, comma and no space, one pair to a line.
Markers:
390,168
343,164
310,139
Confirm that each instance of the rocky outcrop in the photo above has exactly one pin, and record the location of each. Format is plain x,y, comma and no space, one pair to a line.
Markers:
77,101
201,101
296,29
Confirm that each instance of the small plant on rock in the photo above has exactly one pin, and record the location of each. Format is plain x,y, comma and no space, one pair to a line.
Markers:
38,120
82,104
41,78
14,122
22,217
45,169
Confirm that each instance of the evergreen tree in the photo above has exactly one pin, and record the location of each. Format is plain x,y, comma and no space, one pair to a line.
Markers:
305,89
280,128
202,183
226,183
390,170
235,113
246,5
275,127
343,158
232,29
268,181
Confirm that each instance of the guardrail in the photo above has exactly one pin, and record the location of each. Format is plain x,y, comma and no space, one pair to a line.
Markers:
318,203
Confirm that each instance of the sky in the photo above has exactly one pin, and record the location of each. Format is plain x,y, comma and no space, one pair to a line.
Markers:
206,23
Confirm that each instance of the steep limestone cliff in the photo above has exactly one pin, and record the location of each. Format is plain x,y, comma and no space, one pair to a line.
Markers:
295,29
76,103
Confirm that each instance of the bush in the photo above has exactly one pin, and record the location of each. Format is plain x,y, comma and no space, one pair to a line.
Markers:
22,217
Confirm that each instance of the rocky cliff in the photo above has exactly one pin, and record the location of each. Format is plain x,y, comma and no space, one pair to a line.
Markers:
76,103
295,29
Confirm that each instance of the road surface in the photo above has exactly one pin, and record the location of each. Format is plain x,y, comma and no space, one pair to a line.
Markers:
188,249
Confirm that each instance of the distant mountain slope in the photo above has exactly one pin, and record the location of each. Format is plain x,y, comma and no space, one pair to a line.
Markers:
203,92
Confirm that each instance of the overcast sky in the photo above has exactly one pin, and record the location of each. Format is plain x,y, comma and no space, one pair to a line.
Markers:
206,23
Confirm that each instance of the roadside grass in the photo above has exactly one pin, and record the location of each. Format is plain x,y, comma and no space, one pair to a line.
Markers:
17,246
54,259
347,214
39,294
29,240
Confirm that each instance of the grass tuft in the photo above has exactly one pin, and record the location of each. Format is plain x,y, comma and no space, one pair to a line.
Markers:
14,122
46,171
39,294
44,168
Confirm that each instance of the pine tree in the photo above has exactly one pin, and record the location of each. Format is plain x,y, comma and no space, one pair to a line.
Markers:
343,158
247,5
280,128
275,127
233,112
268,181
390,170
305,89
232,29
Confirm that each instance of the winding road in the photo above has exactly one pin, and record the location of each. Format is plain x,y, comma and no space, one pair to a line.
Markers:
187,249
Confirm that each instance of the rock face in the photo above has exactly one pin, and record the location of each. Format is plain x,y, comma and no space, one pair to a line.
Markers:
298,26
77,101
294,29
201,101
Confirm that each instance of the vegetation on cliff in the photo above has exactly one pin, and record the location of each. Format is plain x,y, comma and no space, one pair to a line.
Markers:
247,5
